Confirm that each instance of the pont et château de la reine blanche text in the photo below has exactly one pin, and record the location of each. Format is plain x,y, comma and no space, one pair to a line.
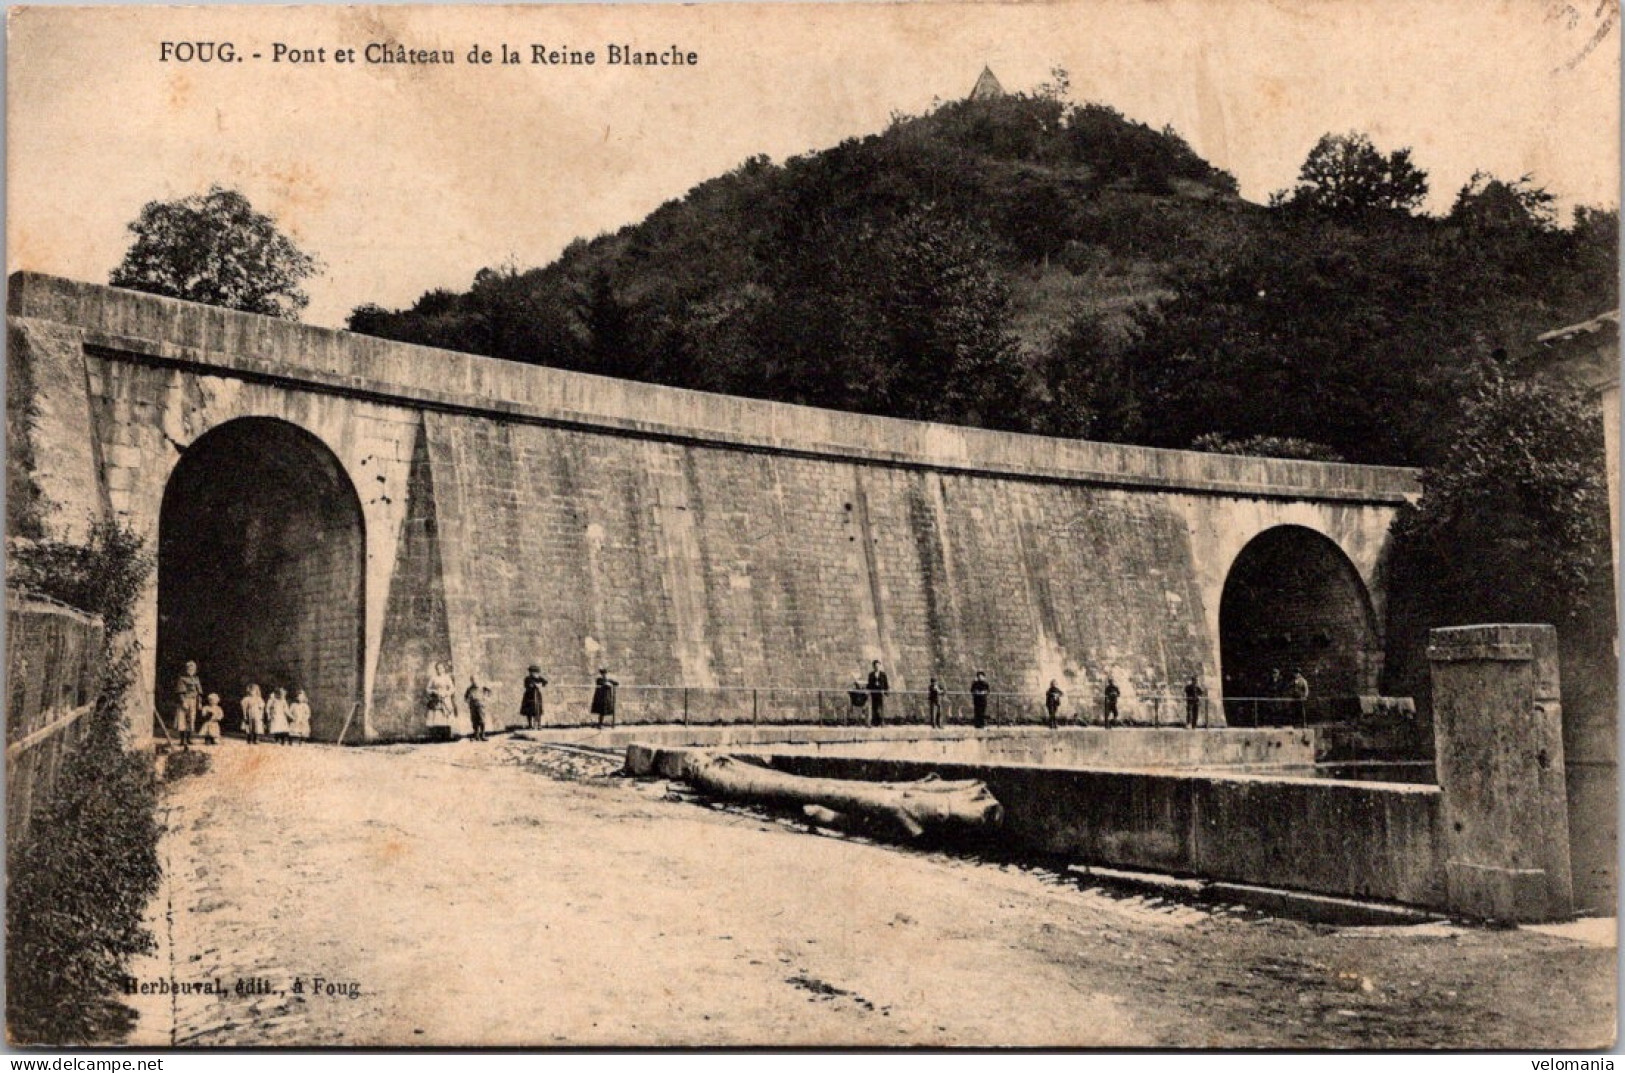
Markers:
622,54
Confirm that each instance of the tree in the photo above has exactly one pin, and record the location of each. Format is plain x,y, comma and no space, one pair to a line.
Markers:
1490,204
216,249
1345,175
1512,527
1353,338
1085,389
608,322
938,326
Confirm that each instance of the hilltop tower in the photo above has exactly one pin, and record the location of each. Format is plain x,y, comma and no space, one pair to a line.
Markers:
987,87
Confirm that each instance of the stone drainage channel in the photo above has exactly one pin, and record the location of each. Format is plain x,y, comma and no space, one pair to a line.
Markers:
1154,891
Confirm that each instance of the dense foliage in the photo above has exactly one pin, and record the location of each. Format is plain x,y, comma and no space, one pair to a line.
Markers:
918,272
102,576
78,882
77,885
1512,527
1266,447
216,249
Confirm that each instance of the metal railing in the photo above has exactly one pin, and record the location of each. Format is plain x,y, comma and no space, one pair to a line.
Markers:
1288,711
569,704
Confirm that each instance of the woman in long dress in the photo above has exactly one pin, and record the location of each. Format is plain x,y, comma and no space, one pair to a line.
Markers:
533,706
299,717
441,714
276,716
253,706
603,697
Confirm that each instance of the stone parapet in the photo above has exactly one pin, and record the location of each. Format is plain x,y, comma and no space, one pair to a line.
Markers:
330,361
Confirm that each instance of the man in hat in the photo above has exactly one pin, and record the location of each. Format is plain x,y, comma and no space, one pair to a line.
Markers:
603,697
879,686
1193,701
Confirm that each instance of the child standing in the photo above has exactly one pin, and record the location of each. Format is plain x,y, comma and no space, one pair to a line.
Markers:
211,714
476,698
276,716
299,717
253,706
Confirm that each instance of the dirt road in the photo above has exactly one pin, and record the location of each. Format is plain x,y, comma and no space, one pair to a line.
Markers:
465,894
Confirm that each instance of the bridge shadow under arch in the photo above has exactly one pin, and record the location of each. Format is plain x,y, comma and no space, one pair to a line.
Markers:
261,565
1293,600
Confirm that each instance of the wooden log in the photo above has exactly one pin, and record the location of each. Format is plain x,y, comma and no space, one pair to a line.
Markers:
908,808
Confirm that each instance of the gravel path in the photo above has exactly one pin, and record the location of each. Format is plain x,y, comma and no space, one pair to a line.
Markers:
501,893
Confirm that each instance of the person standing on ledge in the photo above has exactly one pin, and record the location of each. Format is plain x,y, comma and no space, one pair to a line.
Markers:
533,705
979,689
1112,693
933,702
603,697
1300,696
879,686
858,697
1052,703
1193,701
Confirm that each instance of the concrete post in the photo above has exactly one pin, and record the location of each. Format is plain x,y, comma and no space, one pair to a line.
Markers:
1498,732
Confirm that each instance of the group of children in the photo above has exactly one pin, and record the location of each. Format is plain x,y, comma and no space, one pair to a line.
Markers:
275,717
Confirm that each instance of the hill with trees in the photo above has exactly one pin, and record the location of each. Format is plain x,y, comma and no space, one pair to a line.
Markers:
1026,263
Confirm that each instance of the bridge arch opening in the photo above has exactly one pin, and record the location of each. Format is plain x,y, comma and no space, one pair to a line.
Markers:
1293,600
261,560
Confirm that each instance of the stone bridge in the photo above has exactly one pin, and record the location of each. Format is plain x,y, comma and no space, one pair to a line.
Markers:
335,512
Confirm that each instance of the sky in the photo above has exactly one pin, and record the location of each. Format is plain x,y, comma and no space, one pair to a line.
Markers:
403,178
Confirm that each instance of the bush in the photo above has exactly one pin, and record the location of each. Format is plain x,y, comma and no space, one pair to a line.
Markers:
185,763
102,576
77,886
1266,447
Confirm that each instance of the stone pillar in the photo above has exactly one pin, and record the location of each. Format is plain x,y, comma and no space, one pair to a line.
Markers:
1498,732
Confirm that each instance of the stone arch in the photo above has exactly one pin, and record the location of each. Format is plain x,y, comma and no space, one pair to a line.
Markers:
261,570
1293,598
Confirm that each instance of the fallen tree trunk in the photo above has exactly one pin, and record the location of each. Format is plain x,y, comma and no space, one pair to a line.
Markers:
908,808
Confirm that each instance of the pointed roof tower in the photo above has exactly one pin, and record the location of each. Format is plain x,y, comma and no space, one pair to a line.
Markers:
987,87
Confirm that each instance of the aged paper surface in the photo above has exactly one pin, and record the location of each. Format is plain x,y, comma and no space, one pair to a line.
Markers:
514,893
